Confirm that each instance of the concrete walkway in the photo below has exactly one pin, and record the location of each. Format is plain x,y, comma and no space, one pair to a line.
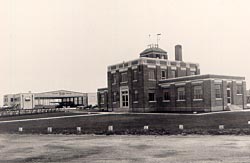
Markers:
47,118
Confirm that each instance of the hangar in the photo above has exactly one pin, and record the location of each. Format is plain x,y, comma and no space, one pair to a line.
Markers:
59,98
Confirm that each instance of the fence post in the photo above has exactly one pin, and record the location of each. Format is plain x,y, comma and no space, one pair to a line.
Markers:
49,129
221,127
78,129
20,129
110,128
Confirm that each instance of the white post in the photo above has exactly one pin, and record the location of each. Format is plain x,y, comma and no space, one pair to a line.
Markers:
181,127
78,129
49,129
248,122
145,127
221,127
20,129
110,128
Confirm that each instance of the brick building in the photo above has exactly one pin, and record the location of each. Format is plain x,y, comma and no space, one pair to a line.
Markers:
152,83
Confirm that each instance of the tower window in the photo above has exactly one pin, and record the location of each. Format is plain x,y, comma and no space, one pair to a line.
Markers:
173,73
151,74
135,75
124,77
163,74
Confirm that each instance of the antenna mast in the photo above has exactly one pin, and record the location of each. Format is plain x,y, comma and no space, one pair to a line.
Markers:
158,39
149,39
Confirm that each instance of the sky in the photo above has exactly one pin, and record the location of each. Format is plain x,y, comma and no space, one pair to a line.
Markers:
50,45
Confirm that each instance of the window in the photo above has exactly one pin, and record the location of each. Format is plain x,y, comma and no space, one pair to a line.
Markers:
192,73
151,74
114,78
102,98
114,96
166,95
217,90
124,77
163,74
135,95
124,98
151,96
198,93
80,100
239,89
11,99
173,73
181,93
134,75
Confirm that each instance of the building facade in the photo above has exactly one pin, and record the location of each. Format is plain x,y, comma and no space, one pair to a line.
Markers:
20,101
152,83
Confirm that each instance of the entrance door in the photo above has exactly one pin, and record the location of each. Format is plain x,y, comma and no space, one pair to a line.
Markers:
228,96
124,98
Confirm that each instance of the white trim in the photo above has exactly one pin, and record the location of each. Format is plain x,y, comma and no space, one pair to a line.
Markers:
217,81
113,72
239,94
180,100
123,69
197,82
198,99
165,86
166,101
143,61
180,84
135,102
134,67
135,80
123,87
164,67
173,67
124,82
218,99
151,79
152,101
151,66
183,68
192,69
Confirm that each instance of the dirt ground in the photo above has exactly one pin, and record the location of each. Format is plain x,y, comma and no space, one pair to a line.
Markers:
123,149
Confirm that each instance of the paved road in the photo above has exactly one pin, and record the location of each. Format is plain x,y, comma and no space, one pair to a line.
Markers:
124,149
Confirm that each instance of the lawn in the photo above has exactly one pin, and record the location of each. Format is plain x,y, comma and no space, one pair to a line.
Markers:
234,122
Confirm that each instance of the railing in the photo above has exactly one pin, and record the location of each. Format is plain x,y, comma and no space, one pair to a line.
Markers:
17,112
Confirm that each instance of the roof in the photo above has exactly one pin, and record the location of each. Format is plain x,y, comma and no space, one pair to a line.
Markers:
199,77
59,93
153,50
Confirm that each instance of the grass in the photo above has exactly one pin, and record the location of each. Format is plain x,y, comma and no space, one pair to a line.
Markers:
234,122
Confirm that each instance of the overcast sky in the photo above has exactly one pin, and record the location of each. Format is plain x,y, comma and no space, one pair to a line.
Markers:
68,44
